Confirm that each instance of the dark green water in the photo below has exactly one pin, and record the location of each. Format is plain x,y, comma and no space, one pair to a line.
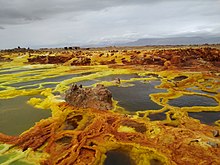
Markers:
11,156
120,76
157,116
117,158
52,79
206,117
193,100
136,98
19,70
86,82
201,91
108,78
16,116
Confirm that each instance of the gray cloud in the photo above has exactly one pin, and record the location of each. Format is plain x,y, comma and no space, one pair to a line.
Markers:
78,22
2,28
26,11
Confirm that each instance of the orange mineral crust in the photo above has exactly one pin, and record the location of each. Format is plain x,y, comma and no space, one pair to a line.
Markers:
145,105
83,136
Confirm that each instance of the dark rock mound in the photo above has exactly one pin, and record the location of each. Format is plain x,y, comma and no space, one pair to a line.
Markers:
98,97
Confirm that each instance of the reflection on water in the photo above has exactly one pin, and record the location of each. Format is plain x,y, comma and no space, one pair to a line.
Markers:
201,91
52,79
206,117
30,87
28,75
115,76
136,98
13,71
49,85
117,158
156,83
23,69
193,100
16,115
106,78
86,82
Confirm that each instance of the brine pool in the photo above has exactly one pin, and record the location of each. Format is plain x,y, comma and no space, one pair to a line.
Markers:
132,94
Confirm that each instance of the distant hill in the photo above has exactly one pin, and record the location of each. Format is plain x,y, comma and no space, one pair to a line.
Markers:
174,41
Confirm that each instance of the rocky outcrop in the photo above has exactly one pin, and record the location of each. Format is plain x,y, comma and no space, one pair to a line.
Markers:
98,97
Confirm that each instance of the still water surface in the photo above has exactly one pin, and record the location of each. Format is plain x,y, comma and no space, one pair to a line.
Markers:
16,116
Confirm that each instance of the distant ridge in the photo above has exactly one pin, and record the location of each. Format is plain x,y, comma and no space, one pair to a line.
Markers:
174,41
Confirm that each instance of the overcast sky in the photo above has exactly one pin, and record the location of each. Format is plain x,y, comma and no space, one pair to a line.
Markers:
42,23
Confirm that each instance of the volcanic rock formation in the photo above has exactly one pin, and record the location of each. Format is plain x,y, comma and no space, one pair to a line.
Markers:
98,97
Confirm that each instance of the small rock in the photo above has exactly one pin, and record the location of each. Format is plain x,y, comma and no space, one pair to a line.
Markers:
74,87
215,133
117,81
213,144
195,140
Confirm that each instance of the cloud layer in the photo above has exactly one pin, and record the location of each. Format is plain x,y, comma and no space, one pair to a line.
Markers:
26,11
38,23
